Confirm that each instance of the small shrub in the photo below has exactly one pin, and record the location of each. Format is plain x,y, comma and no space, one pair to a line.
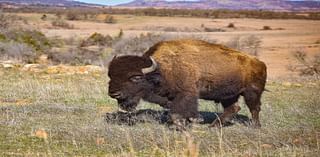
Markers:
58,15
2,37
231,25
307,67
266,28
32,38
97,39
76,56
17,51
109,19
120,35
62,24
207,29
44,17
72,16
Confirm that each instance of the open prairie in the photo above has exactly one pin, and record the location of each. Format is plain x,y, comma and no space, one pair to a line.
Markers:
60,110
277,46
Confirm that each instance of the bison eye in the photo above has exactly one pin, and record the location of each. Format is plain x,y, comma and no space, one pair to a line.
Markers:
136,78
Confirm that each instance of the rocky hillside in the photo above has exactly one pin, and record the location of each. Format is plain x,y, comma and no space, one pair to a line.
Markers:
229,4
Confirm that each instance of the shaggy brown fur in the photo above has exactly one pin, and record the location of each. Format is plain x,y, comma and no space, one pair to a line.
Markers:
188,70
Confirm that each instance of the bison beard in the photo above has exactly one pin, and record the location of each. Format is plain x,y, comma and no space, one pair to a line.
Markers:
175,74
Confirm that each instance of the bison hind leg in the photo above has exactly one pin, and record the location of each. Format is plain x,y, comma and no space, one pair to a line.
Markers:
230,109
252,98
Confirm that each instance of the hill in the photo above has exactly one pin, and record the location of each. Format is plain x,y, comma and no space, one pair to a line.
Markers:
229,4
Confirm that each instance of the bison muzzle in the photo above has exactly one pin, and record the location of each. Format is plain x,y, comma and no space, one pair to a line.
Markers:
175,74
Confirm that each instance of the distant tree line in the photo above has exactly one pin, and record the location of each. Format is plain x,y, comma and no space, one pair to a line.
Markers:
217,13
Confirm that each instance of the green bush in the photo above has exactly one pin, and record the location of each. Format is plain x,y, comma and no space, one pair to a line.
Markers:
2,37
33,38
97,39
23,45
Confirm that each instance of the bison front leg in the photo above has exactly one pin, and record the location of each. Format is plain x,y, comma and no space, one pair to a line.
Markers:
183,109
157,99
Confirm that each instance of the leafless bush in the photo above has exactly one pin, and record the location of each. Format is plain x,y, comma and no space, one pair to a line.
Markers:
139,44
61,23
109,19
72,16
17,51
308,66
75,56
208,29
249,44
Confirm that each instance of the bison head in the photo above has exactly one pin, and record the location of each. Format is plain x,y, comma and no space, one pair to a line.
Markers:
128,79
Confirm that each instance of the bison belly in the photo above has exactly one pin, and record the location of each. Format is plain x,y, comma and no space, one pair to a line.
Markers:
223,90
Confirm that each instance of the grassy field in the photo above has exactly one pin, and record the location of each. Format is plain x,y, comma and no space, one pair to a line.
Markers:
45,113
63,115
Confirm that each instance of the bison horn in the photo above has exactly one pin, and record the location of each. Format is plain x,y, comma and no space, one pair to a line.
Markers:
150,69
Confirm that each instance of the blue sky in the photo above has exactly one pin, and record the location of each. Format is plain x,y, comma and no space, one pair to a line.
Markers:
114,2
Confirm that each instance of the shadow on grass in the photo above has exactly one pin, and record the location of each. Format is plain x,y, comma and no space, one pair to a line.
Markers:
162,117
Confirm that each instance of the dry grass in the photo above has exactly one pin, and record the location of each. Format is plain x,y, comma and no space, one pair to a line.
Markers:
62,115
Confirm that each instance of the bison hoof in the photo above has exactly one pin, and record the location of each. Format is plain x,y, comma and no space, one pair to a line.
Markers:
256,125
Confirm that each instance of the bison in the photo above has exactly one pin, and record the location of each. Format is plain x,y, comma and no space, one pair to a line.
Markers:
175,74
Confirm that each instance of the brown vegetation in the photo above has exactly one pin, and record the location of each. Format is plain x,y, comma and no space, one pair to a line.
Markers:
60,23
308,66
77,13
